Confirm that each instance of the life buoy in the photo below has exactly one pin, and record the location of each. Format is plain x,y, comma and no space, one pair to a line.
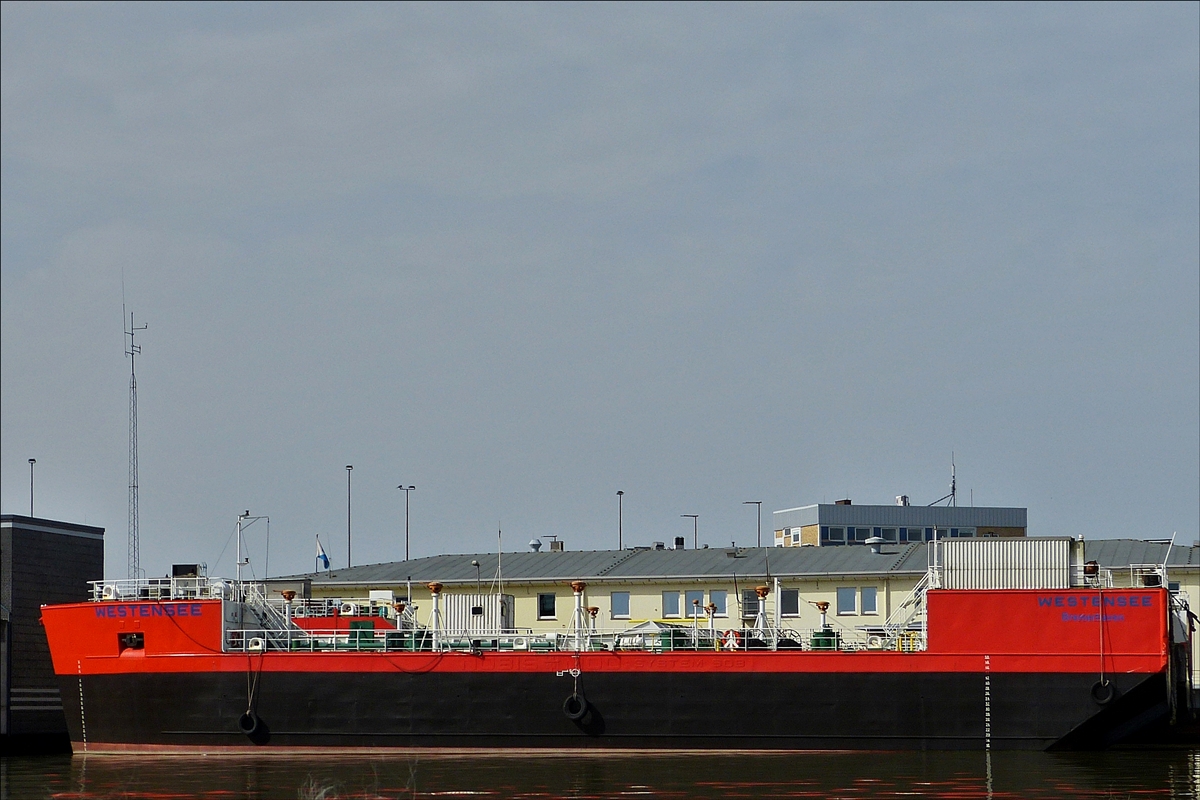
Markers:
575,707
732,639
249,723
1103,692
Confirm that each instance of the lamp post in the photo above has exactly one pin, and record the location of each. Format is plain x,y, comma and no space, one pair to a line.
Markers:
349,563
406,490
620,520
32,461
695,535
759,504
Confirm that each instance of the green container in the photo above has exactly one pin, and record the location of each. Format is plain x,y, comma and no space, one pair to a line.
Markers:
825,639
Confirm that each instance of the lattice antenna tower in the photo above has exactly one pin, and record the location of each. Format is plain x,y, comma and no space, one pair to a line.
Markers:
953,496
131,352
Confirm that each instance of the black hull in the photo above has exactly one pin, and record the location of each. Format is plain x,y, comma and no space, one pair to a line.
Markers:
800,711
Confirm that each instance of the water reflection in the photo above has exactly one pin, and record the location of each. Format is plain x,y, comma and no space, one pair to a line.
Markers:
1159,773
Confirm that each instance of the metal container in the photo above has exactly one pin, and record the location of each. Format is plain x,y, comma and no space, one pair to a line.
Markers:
477,613
1017,563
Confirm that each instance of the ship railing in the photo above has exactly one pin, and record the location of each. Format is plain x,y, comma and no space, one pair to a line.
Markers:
909,615
1083,577
1148,575
132,589
254,596
363,637
336,606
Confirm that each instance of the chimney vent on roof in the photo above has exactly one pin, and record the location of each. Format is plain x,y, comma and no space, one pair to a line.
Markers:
556,546
679,540
901,499
535,545
845,502
659,546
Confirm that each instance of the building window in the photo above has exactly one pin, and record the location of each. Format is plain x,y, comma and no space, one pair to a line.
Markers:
833,535
889,534
670,605
693,603
789,602
620,605
861,534
795,536
846,597
718,598
869,600
749,604
546,606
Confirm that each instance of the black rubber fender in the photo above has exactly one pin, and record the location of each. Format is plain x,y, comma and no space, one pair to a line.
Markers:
575,707
1103,692
249,723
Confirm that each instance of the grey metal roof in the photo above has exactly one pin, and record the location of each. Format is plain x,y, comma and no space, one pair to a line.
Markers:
639,565
917,516
1120,553
635,565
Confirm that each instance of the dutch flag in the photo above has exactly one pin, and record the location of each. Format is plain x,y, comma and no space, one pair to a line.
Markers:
321,557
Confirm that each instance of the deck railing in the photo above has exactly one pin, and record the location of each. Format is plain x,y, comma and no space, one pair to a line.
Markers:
682,639
162,589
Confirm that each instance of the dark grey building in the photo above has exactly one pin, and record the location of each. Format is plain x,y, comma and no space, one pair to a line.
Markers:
41,561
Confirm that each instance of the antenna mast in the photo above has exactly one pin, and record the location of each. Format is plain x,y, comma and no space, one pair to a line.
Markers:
953,496
131,351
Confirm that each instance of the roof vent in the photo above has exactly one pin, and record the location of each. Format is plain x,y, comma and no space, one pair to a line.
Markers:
556,546
535,545
659,546
876,542
679,540
845,502
901,499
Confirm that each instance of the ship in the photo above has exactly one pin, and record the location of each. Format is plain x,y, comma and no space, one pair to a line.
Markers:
193,664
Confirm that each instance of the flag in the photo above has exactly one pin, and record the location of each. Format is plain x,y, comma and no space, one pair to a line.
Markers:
321,557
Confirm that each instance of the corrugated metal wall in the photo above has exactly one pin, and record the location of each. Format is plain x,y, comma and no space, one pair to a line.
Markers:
457,612
1006,563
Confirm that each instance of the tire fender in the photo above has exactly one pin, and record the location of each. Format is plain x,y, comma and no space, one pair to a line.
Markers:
1103,692
249,723
575,707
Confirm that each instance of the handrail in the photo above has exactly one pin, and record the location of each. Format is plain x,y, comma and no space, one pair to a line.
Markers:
682,639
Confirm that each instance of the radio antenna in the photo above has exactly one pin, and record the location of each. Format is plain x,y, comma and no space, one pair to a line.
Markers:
953,496
131,352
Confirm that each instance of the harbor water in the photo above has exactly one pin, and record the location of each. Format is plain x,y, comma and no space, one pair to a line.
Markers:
1165,773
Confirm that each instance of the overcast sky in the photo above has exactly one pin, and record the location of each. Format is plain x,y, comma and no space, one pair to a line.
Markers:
526,256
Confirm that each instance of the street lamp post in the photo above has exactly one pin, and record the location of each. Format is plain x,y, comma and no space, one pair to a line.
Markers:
349,563
695,534
406,490
620,520
759,504
32,461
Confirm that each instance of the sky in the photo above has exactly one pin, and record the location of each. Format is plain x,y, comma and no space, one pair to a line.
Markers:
523,257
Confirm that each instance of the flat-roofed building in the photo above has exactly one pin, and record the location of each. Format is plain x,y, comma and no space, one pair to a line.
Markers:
841,523
42,561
